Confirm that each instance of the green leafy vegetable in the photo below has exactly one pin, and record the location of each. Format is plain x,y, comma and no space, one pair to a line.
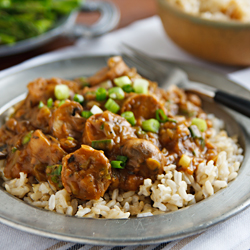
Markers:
23,19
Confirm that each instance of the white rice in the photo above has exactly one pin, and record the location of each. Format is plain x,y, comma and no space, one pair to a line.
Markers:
238,10
171,191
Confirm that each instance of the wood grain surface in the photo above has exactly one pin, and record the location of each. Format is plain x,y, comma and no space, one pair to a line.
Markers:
131,10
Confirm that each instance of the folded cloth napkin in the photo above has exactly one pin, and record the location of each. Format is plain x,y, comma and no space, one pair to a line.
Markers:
149,36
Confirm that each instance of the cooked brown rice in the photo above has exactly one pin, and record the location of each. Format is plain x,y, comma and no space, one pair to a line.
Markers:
171,191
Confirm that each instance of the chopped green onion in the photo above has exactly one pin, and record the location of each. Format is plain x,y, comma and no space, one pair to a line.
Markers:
139,131
112,106
106,84
14,149
70,138
200,123
202,142
54,178
129,116
61,103
151,125
194,131
86,114
102,144
40,105
58,170
96,110
78,98
161,117
61,92
117,164
141,86
116,93
50,103
121,81
27,138
128,88
123,159
101,94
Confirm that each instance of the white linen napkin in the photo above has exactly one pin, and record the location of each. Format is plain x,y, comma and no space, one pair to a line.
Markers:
149,36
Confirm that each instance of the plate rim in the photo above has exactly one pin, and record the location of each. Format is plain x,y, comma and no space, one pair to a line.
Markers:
132,241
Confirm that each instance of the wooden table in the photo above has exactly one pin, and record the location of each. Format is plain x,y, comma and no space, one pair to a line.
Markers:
131,10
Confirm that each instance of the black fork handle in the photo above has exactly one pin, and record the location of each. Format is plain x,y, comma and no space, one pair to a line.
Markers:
238,104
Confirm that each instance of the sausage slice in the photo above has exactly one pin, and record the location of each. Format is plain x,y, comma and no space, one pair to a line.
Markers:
86,173
142,105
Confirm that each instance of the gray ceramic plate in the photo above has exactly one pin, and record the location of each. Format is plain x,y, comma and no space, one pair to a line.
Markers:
155,229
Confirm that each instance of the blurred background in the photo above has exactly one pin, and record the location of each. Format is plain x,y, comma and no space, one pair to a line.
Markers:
130,11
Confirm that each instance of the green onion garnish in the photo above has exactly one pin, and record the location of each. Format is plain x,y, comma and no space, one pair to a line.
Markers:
151,125
61,92
117,164
161,117
123,159
50,103
27,138
14,149
86,114
194,131
96,110
112,106
128,88
61,103
78,98
121,81
58,170
40,105
70,138
101,94
106,84
116,93
129,116
139,131
202,142
200,123
54,178
141,86
102,144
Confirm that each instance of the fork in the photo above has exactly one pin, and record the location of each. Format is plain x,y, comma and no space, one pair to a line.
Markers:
166,76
